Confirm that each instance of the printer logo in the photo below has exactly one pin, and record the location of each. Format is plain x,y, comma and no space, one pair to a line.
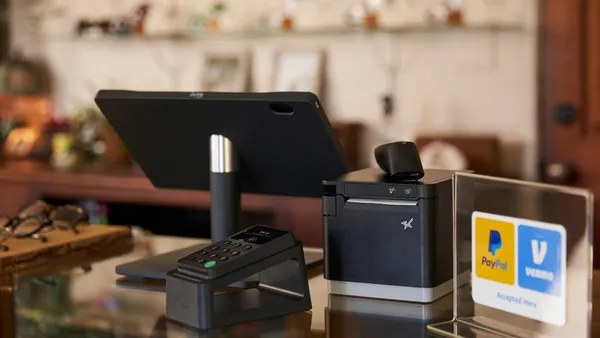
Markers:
197,95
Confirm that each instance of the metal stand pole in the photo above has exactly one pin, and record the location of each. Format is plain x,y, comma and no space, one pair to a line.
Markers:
225,189
226,196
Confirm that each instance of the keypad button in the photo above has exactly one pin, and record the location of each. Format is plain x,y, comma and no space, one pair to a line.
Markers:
235,253
203,253
247,247
237,245
226,242
214,248
213,256
201,261
225,250
210,264
223,258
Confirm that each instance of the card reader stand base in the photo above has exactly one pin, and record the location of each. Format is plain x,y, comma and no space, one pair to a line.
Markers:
201,303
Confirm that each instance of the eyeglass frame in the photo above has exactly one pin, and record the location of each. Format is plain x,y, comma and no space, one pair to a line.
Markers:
46,219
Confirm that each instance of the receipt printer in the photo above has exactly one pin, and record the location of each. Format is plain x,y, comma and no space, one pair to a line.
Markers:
389,237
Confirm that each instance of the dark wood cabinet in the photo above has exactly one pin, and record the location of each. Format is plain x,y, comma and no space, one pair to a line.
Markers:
569,114
350,137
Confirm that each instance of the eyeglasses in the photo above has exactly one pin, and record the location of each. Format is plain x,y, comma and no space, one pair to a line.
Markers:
33,220
4,231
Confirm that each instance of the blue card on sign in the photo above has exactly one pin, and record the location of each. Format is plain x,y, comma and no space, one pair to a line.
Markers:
540,259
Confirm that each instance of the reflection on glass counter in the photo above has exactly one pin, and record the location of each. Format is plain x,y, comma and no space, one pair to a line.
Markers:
48,307
364,317
93,303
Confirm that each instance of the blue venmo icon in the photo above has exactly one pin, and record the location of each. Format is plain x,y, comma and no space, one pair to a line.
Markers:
541,257
495,242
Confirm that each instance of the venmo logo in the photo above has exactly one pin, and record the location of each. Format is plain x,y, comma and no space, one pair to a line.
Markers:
540,258
538,251
539,274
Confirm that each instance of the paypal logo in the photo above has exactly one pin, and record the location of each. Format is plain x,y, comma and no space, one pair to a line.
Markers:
492,264
495,242
494,246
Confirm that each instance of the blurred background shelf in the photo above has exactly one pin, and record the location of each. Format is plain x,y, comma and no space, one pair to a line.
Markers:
133,200
266,34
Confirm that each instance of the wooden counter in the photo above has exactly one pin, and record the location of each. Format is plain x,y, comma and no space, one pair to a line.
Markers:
22,182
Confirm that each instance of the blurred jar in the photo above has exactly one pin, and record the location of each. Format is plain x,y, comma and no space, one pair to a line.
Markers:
365,14
450,12
63,155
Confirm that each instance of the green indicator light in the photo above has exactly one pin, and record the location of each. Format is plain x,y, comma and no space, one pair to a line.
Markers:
210,264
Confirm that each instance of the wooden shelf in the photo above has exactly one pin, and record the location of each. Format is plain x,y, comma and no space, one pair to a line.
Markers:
313,32
22,182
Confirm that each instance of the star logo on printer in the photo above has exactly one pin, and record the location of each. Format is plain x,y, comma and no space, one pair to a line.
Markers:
407,224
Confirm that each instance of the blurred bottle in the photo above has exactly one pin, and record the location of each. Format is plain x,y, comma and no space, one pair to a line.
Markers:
365,14
96,211
454,12
62,140
449,12
287,17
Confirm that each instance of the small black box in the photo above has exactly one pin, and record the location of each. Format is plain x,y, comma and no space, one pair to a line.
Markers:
389,239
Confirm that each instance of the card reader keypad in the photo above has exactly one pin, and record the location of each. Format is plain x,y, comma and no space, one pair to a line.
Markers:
219,252
232,253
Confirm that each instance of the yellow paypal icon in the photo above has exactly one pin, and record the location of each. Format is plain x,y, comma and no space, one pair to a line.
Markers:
494,250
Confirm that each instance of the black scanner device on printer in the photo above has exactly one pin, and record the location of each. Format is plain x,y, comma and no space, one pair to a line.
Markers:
388,230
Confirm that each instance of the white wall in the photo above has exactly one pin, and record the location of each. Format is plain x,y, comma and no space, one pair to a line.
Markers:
455,81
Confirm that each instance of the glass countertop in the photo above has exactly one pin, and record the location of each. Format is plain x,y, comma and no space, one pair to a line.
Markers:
91,303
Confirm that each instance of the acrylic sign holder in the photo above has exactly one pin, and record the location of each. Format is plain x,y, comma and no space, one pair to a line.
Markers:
528,247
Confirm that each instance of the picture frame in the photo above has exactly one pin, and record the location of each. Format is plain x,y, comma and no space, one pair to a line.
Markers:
226,72
299,71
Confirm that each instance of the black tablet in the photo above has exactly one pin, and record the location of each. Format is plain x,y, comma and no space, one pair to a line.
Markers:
284,141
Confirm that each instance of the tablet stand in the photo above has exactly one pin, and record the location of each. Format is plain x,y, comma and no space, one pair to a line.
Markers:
225,189
225,194
257,144
282,289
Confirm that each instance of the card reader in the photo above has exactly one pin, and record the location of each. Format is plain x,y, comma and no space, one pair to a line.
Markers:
202,291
